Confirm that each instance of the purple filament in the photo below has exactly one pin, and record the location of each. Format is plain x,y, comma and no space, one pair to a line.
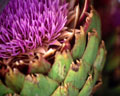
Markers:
28,24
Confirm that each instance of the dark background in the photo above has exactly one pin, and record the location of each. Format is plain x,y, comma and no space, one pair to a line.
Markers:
2,4
109,11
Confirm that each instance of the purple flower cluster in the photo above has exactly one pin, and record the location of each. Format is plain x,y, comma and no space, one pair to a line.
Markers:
29,24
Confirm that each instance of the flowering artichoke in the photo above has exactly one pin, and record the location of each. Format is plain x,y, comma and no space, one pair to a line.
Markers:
44,50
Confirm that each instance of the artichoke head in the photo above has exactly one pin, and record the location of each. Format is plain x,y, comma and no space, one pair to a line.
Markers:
70,66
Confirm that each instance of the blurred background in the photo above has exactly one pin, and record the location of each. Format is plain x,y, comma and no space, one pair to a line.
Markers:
109,11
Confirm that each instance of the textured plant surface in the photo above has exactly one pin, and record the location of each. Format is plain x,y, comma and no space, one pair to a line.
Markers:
50,48
26,25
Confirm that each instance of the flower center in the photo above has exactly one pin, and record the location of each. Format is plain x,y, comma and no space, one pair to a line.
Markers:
29,24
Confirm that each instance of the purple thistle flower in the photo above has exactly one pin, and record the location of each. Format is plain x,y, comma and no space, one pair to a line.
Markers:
29,24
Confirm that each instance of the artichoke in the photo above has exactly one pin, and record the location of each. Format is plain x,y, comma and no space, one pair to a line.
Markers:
50,48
